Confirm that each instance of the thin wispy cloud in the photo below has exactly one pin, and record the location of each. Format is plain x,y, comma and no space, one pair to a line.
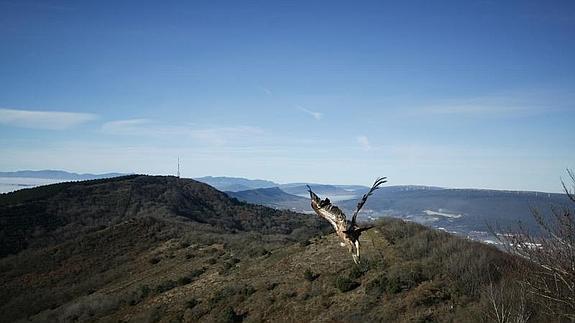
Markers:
214,135
223,135
122,126
507,105
51,120
140,127
364,143
314,114
478,108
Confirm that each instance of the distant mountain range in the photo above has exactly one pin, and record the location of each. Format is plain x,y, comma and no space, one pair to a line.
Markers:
235,184
296,197
57,174
465,211
238,184
468,212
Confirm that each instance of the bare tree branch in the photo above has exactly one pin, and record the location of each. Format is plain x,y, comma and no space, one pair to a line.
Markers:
549,273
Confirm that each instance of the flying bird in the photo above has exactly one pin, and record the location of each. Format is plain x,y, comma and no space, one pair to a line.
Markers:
348,231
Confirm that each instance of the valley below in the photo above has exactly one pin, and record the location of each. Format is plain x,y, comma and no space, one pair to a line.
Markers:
472,213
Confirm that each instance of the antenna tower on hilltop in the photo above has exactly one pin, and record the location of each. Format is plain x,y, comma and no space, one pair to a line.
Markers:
178,175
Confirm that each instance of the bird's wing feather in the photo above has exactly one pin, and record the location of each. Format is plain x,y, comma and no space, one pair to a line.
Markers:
361,202
328,211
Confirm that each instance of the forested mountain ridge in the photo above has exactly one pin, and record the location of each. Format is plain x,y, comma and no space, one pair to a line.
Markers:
57,212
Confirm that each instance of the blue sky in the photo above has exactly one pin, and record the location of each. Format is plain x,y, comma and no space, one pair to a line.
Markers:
449,93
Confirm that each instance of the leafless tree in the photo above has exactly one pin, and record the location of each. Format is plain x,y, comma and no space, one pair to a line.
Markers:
549,273
507,302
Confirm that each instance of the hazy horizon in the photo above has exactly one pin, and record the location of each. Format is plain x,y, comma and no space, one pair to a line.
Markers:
366,184
451,94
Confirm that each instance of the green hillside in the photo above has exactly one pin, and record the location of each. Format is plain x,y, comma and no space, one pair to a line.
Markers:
142,248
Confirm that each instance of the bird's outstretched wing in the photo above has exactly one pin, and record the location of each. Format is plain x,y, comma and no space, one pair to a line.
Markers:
328,211
361,202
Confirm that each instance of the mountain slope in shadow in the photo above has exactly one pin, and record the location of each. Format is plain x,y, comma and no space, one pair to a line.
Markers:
273,197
